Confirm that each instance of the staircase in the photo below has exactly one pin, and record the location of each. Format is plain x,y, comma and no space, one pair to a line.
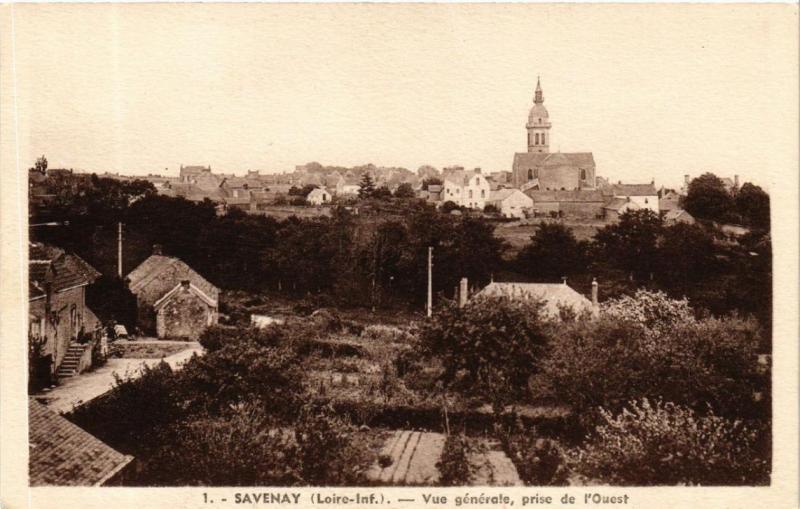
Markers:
69,365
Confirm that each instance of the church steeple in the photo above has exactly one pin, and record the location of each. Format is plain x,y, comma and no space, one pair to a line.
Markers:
538,125
538,98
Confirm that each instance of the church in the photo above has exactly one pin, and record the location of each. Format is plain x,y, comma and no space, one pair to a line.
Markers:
538,169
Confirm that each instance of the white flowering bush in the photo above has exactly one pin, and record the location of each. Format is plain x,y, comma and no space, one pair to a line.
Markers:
667,444
653,311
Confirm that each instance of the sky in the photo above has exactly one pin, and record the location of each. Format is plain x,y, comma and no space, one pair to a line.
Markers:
654,91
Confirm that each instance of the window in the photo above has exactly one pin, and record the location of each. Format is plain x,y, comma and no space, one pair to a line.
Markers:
536,173
537,138
542,138
470,193
583,174
530,139
483,193
530,175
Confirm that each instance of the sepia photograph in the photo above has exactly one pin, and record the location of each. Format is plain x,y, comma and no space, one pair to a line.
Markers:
402,245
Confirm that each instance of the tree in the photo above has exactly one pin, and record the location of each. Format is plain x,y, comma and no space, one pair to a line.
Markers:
752,203
707,198
381,193
431,181
631,244
404,190
40,165
490,347
552,253
449,206
367,187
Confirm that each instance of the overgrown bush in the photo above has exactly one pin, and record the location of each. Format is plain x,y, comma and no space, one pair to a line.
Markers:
490,347
667,444
608,362
539,461
386,333
453,465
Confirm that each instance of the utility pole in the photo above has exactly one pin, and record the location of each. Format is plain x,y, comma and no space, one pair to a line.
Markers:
430,281
119,249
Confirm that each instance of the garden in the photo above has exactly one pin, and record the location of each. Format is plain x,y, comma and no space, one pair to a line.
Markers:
650,392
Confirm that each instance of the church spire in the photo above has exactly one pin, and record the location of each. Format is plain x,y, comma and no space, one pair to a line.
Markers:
538,99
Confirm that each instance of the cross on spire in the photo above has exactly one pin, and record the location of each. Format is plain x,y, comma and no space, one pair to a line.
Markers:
538,98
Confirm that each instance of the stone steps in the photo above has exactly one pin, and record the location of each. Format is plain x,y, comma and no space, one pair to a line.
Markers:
71,361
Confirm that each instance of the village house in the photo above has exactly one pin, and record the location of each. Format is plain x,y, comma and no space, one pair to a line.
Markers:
63,454
510,202
59,320
318,197
173,300
675,216
644,196
554,296
466,188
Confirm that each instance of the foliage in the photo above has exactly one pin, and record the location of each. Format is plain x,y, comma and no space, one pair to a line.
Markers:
404,190
449,206
381,193
752,203
491,209
453,465
667,444
367,187
110,299
553,252
609,361
631,243
40,165
490,347
654,312
39,373
386,333
707,198
539,461
431,181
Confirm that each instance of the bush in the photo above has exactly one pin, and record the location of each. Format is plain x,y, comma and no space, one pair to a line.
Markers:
454,465
654,312
489,347
449,206
666,444
386,333
216,336
608,362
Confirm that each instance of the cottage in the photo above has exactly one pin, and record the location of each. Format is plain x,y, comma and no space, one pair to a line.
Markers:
63,454
59,320
644,196
173,300
318,197
555,296
510,202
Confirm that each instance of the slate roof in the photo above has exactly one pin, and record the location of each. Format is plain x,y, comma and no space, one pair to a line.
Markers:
552,294
676,214
154,265
545,159
53,265
62,454
630,190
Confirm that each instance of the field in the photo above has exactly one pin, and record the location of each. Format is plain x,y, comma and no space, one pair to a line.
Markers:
518,233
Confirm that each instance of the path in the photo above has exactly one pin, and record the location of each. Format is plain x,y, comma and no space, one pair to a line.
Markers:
81,389
414,455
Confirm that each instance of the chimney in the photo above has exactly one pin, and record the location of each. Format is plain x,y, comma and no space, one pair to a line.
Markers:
594,294
686,179
157,249
564,280
462,293
736,181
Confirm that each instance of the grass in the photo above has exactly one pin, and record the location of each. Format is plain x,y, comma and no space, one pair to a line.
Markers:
134,350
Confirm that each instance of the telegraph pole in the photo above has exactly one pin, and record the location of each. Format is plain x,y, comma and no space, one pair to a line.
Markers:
119,249
430,281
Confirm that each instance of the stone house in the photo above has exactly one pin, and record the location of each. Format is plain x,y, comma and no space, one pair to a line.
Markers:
57,311
173,300
644,196
510,202
318,197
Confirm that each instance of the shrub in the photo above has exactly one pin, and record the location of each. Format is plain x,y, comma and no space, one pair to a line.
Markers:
454,466
386,333
668,444
654,312
608,362
539,461
215,337
449,206
489,347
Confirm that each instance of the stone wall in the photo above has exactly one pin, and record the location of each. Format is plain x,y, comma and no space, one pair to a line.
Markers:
185,315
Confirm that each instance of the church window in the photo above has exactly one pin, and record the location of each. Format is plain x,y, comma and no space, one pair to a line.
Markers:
542,138
537,138
583,174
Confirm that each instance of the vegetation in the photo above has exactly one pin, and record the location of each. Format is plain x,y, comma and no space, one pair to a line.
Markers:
454,464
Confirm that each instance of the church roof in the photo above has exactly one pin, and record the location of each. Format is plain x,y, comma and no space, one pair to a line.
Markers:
552,159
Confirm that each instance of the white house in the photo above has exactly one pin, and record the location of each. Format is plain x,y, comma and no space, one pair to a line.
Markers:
466,189
348,186
318,197
644,196
510,202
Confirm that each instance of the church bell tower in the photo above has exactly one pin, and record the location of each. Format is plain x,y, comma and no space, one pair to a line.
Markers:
538,123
